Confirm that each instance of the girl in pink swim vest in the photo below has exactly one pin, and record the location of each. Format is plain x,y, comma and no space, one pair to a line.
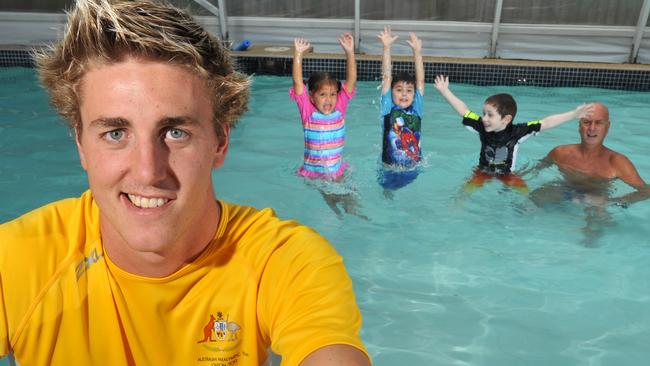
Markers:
322,111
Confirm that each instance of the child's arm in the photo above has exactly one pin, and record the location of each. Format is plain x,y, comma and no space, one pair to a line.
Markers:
416,45
347,42
582,111
300,46
442,84
387,40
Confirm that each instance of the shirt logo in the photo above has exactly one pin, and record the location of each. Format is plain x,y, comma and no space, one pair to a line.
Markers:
224,333
86,262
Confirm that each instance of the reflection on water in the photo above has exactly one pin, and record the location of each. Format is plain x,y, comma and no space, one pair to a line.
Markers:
591,195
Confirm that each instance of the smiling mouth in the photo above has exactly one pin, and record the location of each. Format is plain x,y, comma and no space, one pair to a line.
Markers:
147,202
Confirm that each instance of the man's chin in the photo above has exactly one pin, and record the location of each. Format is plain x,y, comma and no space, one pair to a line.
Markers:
592,141
150,241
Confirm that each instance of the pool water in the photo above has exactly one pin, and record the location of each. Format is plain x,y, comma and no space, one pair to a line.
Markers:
441,277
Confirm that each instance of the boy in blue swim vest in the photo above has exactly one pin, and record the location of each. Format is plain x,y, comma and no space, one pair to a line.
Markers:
401,110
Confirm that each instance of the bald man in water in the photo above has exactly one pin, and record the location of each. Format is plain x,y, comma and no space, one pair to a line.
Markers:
590,167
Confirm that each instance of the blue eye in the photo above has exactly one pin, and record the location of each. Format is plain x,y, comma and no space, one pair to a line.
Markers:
115,135
175,134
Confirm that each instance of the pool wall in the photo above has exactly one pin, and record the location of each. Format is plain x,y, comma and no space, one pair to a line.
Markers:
602,44
463,70
258,60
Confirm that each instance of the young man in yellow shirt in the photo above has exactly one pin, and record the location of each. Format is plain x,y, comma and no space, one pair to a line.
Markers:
147,267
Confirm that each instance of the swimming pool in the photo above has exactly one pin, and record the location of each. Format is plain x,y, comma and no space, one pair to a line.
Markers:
488,279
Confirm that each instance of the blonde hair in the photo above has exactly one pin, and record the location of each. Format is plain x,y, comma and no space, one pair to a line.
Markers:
107,31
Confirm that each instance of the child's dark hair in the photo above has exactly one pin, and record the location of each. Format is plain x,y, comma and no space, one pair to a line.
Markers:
504,103
320,78
402,76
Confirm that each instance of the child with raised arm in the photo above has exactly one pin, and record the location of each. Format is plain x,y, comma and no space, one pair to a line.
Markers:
500,138
401,111
322,111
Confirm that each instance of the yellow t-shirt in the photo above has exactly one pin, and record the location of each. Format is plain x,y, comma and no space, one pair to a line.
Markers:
261,282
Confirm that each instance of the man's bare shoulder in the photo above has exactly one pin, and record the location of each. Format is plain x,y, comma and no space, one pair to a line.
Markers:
625,170
562,151
617,159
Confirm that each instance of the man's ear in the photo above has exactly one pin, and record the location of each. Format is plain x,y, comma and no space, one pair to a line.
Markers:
508,118
222,148
80,149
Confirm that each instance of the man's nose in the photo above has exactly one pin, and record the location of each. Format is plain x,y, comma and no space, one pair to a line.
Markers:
150,161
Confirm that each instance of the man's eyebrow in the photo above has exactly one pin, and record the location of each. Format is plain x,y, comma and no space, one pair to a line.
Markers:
119,122
178,121
109,122
593,120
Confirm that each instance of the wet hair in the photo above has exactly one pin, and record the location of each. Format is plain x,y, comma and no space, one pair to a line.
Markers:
104,32
504,103
320,78
402,76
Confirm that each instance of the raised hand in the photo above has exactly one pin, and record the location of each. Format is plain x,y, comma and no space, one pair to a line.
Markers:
347,42
414,42
441,83
386,37
584,110
301,45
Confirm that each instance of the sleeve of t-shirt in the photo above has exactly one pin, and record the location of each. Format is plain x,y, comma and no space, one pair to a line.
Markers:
530,128
306,298
418,103
386,102
42,239
304,104
343,98
4,329
473,120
